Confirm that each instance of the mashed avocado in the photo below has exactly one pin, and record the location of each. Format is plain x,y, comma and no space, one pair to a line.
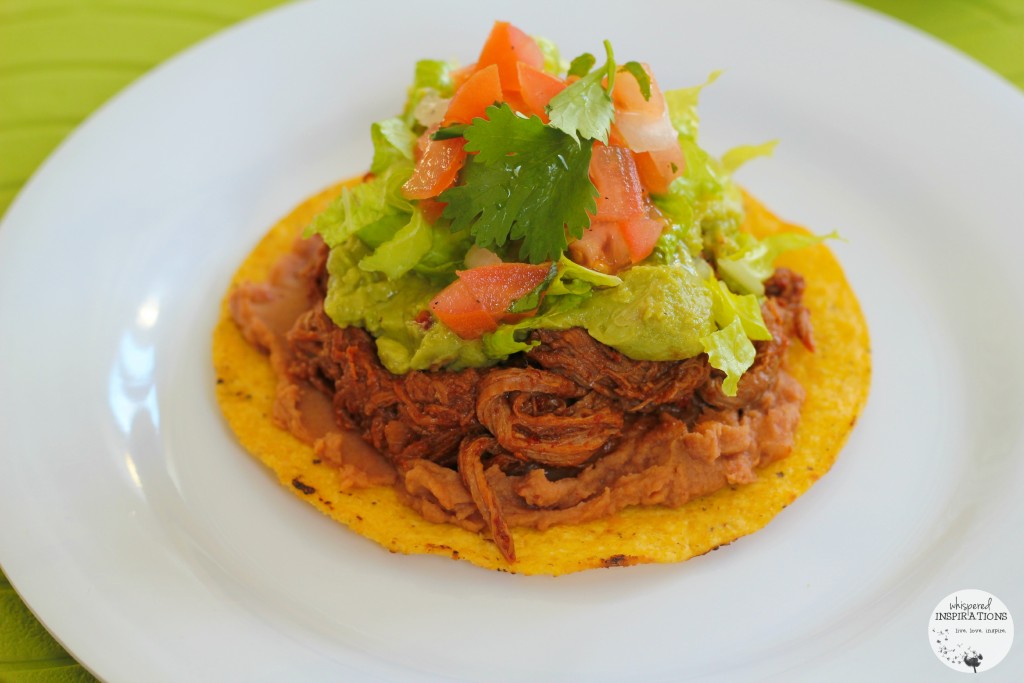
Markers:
657,313
654,312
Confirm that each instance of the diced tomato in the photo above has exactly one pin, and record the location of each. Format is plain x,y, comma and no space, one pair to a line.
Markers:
658,169
479,92
602,248
516,102
461,75
538,87
460,310
497,286
611,246
615,138
626,95
436,169
480,298
614,173
640,235
505,46
432,209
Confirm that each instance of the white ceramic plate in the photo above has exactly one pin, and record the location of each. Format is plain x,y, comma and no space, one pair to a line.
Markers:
156,550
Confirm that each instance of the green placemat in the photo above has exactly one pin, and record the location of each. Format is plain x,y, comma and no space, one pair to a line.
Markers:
61,59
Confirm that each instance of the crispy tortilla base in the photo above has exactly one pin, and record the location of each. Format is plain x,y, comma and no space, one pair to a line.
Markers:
836,378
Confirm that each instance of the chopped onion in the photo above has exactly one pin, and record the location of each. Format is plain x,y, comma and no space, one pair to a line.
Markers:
644,133
431,108
478,256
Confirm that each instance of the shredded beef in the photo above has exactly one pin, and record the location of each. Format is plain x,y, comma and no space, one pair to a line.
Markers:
542,417
571,431
637,385
406,417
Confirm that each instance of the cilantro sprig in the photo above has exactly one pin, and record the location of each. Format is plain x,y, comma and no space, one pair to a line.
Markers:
584,109
528,181
525,181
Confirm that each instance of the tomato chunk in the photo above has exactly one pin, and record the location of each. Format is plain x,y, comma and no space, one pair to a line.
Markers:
498,285
436,169
457,308
538,87
479,300
658,169
432,209
640,236
480,91
462,74
614,173
505,46
602,248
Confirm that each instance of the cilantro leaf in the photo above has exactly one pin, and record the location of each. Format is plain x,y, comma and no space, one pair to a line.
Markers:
641,76
449,132
585,109
582,65
526,181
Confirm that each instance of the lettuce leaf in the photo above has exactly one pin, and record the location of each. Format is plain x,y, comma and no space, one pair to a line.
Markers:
447,253
572,278
361,205
727,307
737,156
553,62
753,262
739,320
682,107
729,349
393,141
401,253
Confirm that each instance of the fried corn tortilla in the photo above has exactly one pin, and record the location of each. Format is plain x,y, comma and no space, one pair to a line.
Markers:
836,378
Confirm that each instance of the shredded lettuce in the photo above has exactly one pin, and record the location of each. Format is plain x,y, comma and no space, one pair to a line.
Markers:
747,267
737,156
730,351
401,253
727,307
682,107
553,62
363,204
572,278
432,78
392,142
380,231
739,320
446,255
